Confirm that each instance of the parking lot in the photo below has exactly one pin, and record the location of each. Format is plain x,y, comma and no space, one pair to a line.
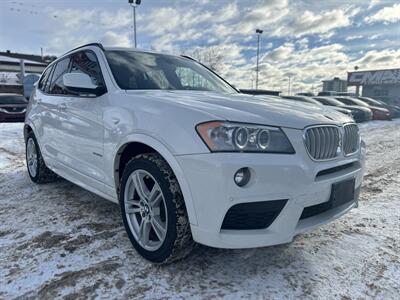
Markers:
60,240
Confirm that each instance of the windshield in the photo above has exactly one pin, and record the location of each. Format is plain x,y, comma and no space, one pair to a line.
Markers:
329,101
351,101
370,101
302,99
142,71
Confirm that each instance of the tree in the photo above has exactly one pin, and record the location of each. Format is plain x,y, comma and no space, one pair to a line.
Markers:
212,57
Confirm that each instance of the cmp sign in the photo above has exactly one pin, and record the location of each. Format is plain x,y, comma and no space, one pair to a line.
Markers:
377,77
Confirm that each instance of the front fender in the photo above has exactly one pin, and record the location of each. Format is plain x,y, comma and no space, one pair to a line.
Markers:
166,153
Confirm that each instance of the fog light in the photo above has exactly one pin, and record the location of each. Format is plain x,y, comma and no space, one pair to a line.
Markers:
242,177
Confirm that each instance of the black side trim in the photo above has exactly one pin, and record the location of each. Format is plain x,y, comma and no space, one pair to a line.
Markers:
253,215
335,169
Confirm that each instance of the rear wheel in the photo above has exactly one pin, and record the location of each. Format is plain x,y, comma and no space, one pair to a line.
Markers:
153,210
37,170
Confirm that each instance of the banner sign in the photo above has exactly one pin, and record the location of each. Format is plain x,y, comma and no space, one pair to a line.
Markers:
374,77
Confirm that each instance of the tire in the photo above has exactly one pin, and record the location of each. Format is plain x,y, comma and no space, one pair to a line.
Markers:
37,170
175,241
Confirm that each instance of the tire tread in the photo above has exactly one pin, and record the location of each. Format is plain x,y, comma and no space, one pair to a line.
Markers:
183,243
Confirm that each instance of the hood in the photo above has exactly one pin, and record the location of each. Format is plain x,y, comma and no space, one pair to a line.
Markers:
249,109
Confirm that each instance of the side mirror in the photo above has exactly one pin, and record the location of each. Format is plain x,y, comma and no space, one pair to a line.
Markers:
80,83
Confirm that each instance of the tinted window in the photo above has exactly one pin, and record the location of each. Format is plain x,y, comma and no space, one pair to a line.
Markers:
323,101
345,101
57,86
370,101
86,62
331,101
349,101
43,79
12,99
138,70
302,99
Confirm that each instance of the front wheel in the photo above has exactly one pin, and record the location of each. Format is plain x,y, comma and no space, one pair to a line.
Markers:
153,209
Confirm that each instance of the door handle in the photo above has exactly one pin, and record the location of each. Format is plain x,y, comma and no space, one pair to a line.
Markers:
63,106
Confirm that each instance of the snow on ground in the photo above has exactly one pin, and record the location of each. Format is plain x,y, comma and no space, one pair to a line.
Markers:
57,240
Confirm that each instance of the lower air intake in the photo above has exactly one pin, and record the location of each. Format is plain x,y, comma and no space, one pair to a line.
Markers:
253,215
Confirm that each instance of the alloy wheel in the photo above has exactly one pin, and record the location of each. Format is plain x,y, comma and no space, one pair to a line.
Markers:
145,210
32,158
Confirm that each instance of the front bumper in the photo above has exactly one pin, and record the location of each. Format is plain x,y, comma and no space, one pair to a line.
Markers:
274,176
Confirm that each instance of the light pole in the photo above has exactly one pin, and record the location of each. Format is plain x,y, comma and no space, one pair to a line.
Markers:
134,3
258,32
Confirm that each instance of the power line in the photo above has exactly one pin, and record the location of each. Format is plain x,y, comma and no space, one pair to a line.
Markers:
50,14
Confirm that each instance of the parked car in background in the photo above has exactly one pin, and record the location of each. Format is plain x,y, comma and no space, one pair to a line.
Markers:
12,108
359,113
378,113
312,101
28,83
185,155
394,109
327,93
309,94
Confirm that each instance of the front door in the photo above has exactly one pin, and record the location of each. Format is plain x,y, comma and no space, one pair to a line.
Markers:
81,124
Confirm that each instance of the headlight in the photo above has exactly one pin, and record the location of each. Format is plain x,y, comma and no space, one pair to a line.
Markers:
228,137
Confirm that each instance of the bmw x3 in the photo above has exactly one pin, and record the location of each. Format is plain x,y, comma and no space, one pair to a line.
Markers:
185,155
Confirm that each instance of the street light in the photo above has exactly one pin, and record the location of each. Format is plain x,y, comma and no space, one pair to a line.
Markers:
134,3
258,32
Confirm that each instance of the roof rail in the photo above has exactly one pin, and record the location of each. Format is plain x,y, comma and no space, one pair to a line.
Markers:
86,45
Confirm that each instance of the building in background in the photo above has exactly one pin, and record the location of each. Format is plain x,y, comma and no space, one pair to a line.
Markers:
18,71
379,84
334,85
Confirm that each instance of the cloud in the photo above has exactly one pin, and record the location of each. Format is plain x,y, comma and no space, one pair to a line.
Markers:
353,37
373,3
300,38
379,59
389,14
92,18
309,22
111,38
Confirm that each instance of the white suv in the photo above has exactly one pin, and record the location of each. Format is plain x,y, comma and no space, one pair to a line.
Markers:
185,155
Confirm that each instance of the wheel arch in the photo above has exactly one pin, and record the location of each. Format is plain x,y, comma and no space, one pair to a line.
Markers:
27,129
139,144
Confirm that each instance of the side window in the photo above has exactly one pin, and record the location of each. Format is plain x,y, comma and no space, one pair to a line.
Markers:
57,86
193,81
44,78
86,62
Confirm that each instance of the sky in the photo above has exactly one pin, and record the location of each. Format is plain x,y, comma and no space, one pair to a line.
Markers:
306,40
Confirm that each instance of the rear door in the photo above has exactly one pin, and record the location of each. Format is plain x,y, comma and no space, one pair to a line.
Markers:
81,123
54,95
44,117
